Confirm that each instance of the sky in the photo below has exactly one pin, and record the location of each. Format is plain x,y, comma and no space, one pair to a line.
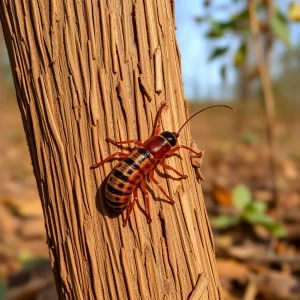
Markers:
202,78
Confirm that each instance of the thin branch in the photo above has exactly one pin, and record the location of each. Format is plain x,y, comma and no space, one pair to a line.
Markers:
264,74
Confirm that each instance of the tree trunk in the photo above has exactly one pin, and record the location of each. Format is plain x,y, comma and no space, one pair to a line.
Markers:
84,71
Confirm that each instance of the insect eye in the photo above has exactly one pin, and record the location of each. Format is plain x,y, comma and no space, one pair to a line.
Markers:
170,137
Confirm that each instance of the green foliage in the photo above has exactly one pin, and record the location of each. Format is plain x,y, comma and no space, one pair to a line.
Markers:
241,197
224,222
249,211
238,26
240,55
215,31
217,52
280,29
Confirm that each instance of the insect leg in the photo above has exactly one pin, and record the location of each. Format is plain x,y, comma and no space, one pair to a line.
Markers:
165,166
130,207
147,205
116,143
156,128
199,154
120,154
151,176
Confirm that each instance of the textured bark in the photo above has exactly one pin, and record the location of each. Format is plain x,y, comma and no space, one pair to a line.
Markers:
83,71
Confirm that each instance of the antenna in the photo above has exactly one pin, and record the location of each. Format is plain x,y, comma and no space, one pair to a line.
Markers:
198,112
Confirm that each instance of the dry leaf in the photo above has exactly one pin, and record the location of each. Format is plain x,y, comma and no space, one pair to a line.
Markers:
277,285
231,269
222,195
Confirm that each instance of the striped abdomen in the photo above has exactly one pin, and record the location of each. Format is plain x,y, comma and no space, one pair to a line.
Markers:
125,177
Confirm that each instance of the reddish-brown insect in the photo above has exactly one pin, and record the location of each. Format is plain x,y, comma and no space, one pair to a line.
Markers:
133,170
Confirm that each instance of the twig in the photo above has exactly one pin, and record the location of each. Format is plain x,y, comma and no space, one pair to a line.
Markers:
251,290
262,61
269,259
201,285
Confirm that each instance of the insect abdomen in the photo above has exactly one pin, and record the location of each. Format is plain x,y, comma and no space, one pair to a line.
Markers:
125,177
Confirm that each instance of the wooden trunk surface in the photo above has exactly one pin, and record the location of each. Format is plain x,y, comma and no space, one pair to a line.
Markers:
84,71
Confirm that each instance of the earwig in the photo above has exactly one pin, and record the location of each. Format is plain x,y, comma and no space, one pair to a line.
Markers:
134,168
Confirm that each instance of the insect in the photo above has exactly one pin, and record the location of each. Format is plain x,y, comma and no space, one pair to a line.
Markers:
134,168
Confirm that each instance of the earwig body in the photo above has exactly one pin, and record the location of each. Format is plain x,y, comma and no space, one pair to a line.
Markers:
139,164
158,146
126,176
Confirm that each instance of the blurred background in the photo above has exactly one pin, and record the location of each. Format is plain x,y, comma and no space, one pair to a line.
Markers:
234,53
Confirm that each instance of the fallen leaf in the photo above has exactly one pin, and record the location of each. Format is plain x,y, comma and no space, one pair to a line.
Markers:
28,208
245,252
222,195
33,228
231,269
289,169
277,285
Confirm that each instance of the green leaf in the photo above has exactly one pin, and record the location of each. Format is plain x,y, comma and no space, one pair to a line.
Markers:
256,207
278,230
274,227
240,55
217,29
241,197
280,29
240,20
257,218
264,220
215,33
223,72
224,222
281,15
294,11
217,52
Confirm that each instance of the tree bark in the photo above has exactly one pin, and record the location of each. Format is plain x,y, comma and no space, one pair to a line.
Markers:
84,71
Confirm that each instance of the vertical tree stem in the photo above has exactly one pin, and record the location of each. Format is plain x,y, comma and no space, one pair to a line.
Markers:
263,61
87,70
